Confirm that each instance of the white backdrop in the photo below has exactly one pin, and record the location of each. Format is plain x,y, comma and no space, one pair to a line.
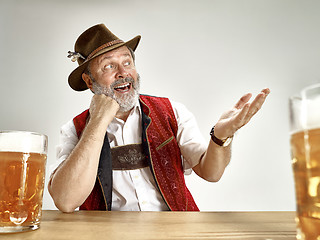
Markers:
205,54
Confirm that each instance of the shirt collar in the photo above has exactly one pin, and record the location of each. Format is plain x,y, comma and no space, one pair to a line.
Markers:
135,110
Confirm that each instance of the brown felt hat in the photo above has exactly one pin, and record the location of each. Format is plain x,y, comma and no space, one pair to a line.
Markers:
90,44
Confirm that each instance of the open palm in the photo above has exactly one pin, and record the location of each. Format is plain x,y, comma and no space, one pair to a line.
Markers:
239,115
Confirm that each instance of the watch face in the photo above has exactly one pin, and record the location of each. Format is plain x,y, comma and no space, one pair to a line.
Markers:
227,142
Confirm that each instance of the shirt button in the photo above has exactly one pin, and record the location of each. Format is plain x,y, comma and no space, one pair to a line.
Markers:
136,177
144,202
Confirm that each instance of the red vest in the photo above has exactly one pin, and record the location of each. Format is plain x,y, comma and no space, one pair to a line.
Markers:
159,131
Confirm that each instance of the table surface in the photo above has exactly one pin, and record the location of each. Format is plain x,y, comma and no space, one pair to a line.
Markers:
161,225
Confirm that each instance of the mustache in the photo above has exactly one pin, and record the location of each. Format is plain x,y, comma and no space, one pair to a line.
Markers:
122,80
109,91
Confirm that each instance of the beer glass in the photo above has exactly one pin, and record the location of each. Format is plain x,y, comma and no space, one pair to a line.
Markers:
22,173
305,151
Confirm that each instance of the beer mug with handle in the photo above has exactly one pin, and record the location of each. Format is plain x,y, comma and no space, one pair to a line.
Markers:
305,151
22,173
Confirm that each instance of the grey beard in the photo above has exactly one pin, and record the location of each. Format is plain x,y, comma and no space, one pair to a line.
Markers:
127,101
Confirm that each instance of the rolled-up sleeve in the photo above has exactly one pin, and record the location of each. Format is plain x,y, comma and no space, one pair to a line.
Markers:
191,142
67,141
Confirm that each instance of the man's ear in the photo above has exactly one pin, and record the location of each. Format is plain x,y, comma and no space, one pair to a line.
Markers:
87,80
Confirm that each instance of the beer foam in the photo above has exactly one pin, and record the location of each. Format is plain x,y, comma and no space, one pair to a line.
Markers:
19,141
310,114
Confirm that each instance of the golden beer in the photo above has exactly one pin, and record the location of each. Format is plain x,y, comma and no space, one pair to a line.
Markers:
21,188
305,149
22,175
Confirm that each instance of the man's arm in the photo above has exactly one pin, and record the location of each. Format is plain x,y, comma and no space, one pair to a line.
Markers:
216,158
74,179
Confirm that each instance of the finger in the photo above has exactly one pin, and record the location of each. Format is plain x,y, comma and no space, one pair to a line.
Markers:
266,91
259,100
255,106
243,100
239,120
257,103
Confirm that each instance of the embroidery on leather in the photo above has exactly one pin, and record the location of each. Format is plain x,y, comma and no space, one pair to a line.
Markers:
128,157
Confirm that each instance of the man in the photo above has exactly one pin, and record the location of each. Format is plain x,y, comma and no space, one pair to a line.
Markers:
129,151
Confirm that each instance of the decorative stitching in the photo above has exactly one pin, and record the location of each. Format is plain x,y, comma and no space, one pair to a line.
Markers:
164,143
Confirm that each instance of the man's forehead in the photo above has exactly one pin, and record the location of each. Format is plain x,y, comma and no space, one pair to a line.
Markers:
121,51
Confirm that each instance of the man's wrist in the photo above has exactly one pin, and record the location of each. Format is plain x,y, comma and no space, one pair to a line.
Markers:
221,142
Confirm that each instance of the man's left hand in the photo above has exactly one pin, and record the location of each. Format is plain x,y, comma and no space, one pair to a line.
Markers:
239,115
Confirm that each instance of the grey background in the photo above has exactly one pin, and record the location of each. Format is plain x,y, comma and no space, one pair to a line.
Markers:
205,54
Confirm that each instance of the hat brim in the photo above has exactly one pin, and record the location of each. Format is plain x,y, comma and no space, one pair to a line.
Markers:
75,78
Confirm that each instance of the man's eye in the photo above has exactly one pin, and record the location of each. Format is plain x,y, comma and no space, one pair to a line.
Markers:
127,64
110,66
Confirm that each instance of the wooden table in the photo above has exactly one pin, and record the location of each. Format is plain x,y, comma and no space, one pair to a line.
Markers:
161,225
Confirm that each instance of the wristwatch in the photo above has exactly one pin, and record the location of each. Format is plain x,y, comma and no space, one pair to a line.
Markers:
220,142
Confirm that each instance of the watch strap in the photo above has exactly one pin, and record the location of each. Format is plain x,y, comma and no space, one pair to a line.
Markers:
222,143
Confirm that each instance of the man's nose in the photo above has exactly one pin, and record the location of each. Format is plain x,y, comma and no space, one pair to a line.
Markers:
121,73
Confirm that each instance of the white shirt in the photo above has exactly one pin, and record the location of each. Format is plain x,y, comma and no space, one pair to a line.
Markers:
136,190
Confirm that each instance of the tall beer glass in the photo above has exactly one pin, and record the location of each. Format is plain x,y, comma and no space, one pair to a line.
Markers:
305,151
22,172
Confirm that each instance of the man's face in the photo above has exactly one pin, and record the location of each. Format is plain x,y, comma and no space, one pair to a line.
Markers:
115,75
